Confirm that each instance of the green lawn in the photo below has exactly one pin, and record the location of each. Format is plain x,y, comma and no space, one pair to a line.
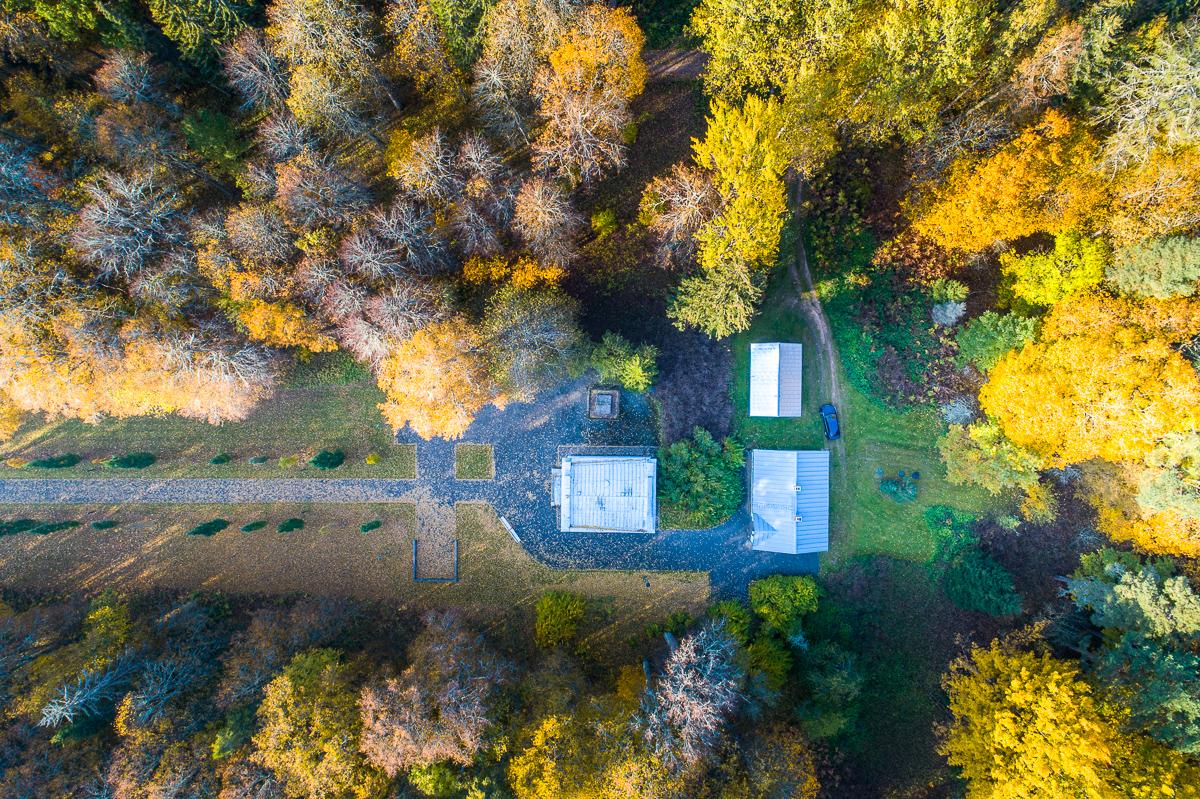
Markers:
474,462
863,519
325,404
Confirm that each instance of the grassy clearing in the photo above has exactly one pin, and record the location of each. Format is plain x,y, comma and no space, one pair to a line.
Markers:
499,583
863,519
325,404
474,462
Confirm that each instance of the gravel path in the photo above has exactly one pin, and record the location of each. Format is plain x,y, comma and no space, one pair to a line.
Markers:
525,438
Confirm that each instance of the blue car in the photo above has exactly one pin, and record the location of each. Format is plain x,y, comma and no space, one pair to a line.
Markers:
829,420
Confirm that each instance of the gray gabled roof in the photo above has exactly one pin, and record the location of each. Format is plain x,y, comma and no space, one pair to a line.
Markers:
789,500
776,379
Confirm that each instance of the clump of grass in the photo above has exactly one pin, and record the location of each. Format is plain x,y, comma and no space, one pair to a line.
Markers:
209,528
328,459
252,526
288,525
367,527
134,460
473,462
220,459
57,462
104,524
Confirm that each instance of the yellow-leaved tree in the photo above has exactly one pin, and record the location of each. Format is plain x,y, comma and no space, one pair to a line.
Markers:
282,324
1105,380
437,380
1026,725
1046,180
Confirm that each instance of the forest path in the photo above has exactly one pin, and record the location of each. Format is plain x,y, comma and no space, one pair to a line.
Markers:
809,304
675,64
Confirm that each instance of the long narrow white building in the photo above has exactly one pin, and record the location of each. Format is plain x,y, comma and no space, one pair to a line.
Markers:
776,377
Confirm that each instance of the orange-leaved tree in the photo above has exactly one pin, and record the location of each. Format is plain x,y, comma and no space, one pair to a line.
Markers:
437,380
1104,381
1044,181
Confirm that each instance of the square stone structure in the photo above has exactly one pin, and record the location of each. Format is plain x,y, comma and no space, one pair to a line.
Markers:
604,403
606,493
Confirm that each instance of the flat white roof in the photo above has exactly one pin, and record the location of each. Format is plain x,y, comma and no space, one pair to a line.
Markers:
776,372
789,500
607,492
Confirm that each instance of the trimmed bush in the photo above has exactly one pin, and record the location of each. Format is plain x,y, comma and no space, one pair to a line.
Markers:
558,617
289,461
371,525
258,460
45,528
16,463
328,459
57,462
618,361
288,525
736,617
209,528
252,526
373,459
14,526
780,600
134,460
221,458
104,524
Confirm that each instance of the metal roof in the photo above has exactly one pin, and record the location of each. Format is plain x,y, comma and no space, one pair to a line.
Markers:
614,493
789,500
776,372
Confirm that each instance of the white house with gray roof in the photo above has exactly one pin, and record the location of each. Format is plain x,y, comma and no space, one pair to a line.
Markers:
606,493
789,500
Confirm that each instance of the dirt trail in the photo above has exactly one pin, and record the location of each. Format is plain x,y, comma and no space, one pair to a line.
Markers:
809,304
674,64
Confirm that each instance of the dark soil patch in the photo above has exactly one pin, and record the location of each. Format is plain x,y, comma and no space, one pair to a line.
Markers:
693,387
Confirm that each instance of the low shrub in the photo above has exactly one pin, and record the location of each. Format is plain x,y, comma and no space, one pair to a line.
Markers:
258,460
436,780
373,458
771,658
288,525
236,731
702,478
371,525
56,462
736,617
975,581
604,222
221,458
45,528
252,526
14,526
104,524
16,463
328,459
780,600
209,528
558,617
134,460
618,361
289,461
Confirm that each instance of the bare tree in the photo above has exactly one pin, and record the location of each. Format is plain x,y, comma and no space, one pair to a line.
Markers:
475,232
127,222
316,273
313,190
25,188
402,238
429,170
685,710
677,206
438,709
546,221
258,234
364,340
254,71
532,337
91,692
127,77
281,136
343,300
248,780
407,307
581,136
